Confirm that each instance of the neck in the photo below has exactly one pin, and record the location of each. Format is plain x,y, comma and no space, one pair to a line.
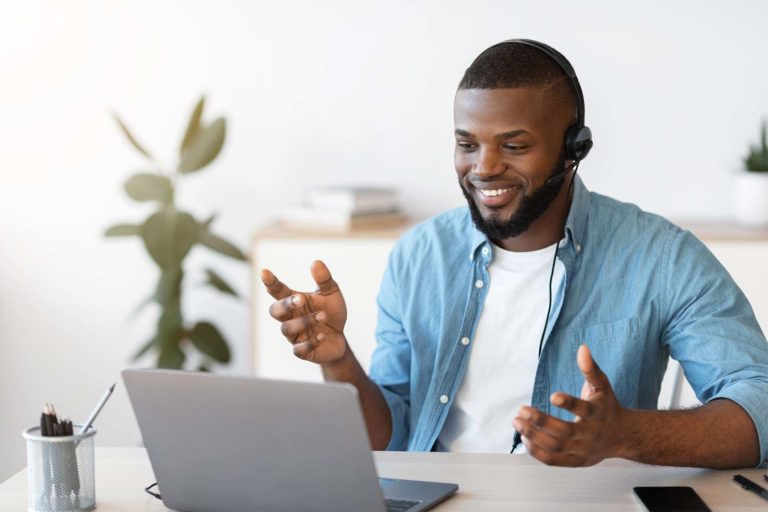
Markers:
548,228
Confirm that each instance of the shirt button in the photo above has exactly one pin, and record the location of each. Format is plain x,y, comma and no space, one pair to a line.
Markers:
479,283
465,341
444,399
485,250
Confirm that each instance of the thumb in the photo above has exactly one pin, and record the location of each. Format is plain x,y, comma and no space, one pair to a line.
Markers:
322,276
595,379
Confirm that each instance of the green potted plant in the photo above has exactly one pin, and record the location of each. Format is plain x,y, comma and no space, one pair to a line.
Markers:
168,235
751,188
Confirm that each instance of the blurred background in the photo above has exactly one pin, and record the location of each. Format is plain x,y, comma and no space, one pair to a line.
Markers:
315,93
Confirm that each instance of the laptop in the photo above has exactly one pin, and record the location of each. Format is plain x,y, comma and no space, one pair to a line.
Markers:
225,443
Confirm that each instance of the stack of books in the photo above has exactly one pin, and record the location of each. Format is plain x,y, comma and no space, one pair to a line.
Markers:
345,209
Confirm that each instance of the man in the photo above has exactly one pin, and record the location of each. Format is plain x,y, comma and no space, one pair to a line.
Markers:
515,299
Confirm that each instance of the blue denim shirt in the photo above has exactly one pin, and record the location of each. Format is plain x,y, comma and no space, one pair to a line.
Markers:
637,290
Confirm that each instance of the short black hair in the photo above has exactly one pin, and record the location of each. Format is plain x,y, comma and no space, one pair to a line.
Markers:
513,65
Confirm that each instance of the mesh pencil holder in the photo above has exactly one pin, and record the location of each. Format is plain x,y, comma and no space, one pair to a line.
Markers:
60,471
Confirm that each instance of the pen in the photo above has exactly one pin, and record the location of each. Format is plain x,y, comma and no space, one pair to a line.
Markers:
97,410
516,440
751,486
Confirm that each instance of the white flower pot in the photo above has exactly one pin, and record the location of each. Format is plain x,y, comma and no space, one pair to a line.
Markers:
750,198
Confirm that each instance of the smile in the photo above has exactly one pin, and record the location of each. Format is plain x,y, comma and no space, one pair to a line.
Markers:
495,192
497,197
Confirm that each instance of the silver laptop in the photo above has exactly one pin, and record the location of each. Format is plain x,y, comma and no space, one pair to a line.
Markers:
221,443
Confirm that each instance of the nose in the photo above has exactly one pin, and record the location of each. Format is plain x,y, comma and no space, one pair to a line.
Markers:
488,164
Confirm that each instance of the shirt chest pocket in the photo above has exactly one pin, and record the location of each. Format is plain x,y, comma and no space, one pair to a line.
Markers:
617,349
621,329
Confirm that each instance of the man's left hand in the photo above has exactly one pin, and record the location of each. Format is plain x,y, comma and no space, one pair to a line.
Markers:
597,432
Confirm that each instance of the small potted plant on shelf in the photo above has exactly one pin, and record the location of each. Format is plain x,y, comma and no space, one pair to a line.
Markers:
751,187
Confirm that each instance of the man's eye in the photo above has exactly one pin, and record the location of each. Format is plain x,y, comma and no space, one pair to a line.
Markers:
514,147
466,146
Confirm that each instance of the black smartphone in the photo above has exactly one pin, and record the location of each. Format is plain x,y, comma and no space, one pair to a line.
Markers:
671,499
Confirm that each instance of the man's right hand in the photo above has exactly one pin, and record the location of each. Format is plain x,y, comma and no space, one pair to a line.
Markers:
313,322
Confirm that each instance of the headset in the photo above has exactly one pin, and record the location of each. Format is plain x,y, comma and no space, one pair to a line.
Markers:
578,136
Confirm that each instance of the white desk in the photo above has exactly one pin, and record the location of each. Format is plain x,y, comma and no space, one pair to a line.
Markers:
486,482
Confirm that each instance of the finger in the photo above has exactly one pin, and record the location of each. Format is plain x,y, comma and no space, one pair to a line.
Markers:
592,372
295,326
542,421
551,458
283,309
549,442
581,408
322,276
274,286
305,349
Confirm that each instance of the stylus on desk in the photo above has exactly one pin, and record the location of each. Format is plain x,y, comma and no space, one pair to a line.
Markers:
751,486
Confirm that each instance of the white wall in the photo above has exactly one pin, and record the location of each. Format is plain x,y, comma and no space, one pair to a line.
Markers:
316,93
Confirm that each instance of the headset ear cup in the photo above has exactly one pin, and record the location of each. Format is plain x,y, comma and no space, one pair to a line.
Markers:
578,142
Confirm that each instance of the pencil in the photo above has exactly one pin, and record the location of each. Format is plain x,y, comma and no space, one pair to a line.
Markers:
48,421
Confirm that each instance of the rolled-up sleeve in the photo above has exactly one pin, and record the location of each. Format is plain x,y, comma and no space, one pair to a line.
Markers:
391,361
713,333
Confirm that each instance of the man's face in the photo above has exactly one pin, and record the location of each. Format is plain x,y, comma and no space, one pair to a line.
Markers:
508,143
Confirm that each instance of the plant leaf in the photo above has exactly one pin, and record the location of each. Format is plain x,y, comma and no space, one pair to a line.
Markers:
168,235
140,307
210,342
218,244
220,284
204,147
149,187
130,136
193,127
144,349
123,230
168,288
168,335
207,223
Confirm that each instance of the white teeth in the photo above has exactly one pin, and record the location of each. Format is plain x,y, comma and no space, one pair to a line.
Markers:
497,192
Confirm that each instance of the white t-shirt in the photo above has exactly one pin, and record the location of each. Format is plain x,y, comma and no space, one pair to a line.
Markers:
504,353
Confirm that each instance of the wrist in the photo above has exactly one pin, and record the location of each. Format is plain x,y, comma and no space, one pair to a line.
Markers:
340,368
627,426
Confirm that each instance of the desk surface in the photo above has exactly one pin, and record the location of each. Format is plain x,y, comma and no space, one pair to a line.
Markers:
486,482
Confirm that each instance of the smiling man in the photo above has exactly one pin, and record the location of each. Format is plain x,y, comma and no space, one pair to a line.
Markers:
493,317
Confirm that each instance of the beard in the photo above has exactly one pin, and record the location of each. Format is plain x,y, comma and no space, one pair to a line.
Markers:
531,207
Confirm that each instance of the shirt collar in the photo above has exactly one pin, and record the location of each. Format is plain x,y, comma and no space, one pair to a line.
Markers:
574,224
477,239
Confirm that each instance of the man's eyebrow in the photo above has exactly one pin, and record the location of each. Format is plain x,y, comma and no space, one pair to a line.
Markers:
506,135
511,134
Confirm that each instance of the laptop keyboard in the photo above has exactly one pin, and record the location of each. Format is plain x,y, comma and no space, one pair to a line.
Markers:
400,505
